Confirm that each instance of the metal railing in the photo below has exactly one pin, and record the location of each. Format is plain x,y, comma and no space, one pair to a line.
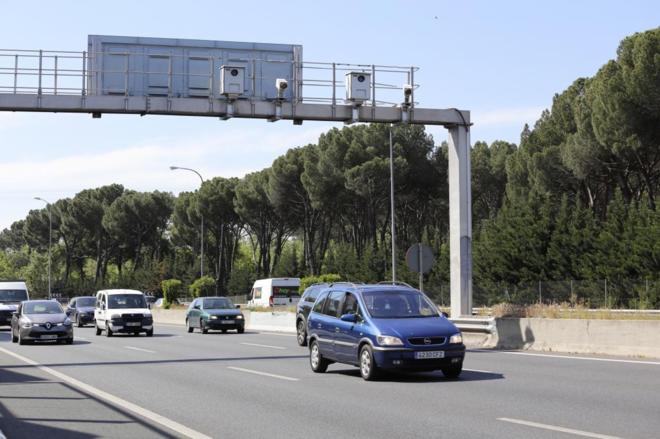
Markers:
44,72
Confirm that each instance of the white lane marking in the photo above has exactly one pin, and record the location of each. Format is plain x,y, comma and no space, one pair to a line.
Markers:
2,436
567,357
266,374
479,371
263,345
121,403
80,338
277,333
139,349
557,428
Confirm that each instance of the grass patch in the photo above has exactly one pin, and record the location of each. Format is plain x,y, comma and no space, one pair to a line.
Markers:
565,311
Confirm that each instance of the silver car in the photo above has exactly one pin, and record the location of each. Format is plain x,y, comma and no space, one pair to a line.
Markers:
41,320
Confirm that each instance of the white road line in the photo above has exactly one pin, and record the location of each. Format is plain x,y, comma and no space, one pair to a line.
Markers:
567,357
256,372
2,436
81,338
263,345
559,429
140,349
479,371
277,333
121,403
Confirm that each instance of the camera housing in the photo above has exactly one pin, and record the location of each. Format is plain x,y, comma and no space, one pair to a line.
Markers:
407,94
358,87
281,85
232,81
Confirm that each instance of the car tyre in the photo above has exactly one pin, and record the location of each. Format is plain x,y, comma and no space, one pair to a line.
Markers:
21,340
108,331
78,322
452,372
241,330
301,333
202,328
190,328
98,330
316,360
14,338
150,333
368,368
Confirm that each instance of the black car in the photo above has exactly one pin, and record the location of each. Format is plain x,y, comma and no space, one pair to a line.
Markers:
81,310
305,305
41,320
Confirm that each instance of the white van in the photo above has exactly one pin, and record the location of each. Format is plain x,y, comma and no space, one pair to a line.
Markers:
276,291
12,293
124,311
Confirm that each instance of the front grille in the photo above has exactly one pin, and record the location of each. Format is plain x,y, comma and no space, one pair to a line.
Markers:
132,317
427,341
6,314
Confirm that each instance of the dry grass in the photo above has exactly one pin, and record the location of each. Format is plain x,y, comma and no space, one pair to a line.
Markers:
565,311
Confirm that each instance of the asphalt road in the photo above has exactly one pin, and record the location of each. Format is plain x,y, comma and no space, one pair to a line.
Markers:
260,385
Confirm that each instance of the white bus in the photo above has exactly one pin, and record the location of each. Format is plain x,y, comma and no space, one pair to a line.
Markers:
276,291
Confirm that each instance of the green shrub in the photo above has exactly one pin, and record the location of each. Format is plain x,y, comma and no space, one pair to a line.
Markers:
203,287
172,289
309,280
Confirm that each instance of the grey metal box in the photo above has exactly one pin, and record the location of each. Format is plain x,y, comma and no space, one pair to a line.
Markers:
358,87
138,66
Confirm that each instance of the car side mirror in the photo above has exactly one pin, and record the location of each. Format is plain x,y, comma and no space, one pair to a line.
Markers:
444,314
196,307
352,318
238,306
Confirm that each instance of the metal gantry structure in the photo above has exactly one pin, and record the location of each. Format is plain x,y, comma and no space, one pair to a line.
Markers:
59,81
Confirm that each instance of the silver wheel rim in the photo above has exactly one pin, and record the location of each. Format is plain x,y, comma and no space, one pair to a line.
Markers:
365,363
315,356
301,335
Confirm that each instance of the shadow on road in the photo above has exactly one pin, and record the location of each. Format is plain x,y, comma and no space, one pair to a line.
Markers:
19,420
422,377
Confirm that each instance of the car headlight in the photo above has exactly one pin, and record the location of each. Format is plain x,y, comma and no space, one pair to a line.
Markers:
26,325
388,340
67,322
456,338
214,317
115,317
239,317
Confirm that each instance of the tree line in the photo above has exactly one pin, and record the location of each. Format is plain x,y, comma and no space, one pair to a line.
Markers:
576,199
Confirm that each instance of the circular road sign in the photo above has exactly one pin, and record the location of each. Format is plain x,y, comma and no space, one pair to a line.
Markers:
419,258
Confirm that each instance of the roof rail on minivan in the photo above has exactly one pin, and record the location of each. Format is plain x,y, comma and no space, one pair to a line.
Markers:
395,282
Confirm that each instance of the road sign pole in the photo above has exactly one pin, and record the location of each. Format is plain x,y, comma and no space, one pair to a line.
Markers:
421,264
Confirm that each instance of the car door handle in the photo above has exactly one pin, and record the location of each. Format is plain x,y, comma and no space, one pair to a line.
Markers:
318,325
337,329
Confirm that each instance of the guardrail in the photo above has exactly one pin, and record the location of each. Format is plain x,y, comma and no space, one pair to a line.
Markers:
482,325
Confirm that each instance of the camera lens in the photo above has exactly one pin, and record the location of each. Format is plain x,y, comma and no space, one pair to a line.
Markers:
360,78
234,72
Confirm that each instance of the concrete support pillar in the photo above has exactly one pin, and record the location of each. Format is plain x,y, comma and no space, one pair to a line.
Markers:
460,221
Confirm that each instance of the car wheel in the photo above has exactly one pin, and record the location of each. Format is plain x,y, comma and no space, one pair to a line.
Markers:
301,333
78,322
98,330
21,340
108,331
150,333
241,330
452,372
368,368
14,339
202,328
69,340
190,328
316,360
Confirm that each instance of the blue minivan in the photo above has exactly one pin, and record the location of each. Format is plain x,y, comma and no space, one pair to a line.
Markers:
382,327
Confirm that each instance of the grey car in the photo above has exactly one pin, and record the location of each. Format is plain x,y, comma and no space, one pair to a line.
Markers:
40,320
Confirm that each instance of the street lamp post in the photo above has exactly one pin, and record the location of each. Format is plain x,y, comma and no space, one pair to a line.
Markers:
201,243
50,238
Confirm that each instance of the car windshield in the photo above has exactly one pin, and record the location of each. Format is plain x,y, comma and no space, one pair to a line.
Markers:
123,301
85,301
217,304
13,295
398,304
42,308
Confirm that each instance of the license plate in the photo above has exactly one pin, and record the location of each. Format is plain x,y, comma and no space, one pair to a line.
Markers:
133,323
227,322
423,355
49,337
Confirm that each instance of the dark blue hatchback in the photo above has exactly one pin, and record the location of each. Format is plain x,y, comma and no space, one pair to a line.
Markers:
379,327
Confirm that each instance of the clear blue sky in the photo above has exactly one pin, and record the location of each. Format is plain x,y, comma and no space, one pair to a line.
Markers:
502,60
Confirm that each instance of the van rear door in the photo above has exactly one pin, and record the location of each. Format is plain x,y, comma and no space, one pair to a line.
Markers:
285,294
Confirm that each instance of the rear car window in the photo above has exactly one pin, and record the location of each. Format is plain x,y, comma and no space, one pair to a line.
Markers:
285,292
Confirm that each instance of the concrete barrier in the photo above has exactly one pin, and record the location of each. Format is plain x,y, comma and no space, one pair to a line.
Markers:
637,338
257,321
